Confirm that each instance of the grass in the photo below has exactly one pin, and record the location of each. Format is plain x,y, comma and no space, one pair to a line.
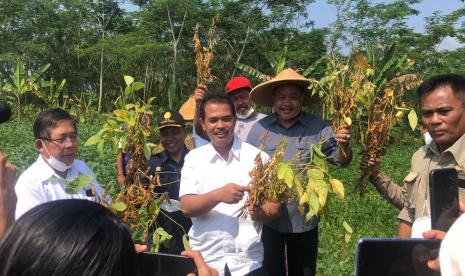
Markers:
370,216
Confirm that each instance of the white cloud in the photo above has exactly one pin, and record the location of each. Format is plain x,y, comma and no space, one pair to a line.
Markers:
450,43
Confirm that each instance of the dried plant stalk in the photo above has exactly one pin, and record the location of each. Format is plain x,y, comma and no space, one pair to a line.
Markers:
204,55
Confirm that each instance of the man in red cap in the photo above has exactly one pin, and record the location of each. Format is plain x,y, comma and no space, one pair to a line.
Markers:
238,89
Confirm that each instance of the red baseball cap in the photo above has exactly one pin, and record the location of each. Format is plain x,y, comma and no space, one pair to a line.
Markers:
237,83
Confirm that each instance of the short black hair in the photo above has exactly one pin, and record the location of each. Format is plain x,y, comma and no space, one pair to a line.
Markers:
68,237
48,119
455,81
216,98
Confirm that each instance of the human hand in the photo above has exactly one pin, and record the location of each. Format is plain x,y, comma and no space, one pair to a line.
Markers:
7,194
121,180
202,268
267,212
140,248
232,193
370,163
343,134
431,235
200,92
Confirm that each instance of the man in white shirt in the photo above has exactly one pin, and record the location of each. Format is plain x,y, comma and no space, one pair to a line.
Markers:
57,142
213,189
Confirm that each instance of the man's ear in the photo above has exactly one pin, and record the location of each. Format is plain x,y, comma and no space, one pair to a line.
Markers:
39,145
202,122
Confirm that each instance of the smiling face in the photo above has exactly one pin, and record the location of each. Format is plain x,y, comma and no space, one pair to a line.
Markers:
62,142
287,103
241,100
443,115
172,139
219,125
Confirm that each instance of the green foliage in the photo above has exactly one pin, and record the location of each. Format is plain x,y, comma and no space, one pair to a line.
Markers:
19,83
370,216
75,184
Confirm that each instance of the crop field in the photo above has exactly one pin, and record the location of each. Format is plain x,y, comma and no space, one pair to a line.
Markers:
370,216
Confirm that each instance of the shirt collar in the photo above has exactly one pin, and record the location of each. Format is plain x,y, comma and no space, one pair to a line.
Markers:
457,150
45,171
234,152
164,156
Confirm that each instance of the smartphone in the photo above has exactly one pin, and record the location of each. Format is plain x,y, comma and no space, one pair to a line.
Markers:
444,198
157,264
395,257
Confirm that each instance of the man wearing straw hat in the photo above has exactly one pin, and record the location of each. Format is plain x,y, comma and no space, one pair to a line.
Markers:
287,94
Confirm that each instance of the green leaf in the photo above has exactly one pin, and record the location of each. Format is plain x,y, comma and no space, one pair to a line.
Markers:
147,151
138,236
322,191
314,173
121,113
128,80
136,86
83,180
412,119
154,207
284,171
117,206
337,187
128,91
93,140
347,227
129,106
319,159
185,242
101,147
347,237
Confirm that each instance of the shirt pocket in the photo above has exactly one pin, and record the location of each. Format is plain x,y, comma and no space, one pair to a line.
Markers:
411,182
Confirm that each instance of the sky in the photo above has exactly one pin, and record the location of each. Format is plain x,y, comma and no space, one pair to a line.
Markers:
323,15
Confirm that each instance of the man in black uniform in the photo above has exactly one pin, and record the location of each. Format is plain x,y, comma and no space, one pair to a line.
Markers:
167,166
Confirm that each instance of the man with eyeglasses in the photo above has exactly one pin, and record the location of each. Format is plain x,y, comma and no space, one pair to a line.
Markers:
56,140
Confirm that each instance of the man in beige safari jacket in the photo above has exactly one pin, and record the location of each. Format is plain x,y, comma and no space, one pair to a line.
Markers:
442,106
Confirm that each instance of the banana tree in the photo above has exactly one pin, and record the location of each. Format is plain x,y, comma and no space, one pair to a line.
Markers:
277,63
18,84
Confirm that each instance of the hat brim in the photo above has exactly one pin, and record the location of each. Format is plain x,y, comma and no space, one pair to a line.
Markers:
262,94
170,125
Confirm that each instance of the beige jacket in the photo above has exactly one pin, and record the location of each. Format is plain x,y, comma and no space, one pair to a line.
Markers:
413,197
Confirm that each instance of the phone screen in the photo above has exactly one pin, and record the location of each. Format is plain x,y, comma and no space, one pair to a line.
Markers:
444,199
395,257
165,264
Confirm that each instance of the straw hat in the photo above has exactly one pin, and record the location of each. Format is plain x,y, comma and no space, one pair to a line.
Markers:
187,110
262,94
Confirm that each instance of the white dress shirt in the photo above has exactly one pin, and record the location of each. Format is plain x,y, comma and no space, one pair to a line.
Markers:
34,187
220,235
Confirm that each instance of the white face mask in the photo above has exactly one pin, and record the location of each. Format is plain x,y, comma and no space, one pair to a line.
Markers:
247,115
55,163
428,138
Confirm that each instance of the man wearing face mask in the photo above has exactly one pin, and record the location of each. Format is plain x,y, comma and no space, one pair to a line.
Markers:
56,140
238,90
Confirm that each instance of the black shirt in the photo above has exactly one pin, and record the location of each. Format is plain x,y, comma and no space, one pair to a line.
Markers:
170,176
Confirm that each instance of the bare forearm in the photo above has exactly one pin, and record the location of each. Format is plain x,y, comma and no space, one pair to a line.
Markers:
392,192
198,205
198,125
343,154
405,229
119,163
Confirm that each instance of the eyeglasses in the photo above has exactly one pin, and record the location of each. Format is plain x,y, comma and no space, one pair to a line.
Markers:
72,138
